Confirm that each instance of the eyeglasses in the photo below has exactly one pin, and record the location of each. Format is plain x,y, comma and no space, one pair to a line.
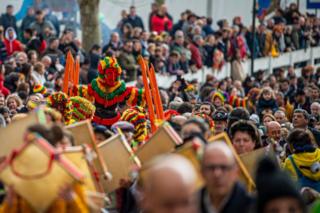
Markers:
221,167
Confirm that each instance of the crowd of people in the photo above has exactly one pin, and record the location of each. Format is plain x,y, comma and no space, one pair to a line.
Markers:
279,112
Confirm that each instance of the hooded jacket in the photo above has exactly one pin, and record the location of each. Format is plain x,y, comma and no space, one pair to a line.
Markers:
12,45
3,89
306,159
266,104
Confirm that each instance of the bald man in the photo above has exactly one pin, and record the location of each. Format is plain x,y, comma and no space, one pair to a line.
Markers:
222,192
274,131
274,139
169,186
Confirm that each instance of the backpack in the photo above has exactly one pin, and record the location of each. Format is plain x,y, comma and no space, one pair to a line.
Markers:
304,181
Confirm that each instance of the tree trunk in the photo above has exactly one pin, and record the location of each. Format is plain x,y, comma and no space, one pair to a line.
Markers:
89,17
160,2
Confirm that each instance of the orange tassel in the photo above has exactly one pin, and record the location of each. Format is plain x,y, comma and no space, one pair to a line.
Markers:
156,93
147,93
71,72
66,74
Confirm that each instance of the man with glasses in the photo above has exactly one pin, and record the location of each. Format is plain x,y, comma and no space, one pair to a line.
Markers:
222,192
300,120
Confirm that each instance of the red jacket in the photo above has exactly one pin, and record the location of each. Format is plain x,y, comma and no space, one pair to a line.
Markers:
3,89
12,46
160,23
195,55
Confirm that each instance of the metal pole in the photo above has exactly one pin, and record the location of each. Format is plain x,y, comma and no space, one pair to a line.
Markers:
254,15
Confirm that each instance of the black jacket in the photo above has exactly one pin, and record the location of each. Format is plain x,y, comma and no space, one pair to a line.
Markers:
135,21
239,201
8,21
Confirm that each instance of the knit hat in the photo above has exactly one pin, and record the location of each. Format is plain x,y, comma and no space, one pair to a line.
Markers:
39,89
272,183
60,101
82,108
137,117
220,95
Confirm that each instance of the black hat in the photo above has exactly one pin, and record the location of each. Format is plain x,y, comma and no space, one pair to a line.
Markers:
273,183
220,116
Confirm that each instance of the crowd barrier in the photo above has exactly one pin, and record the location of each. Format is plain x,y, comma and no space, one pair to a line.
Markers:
311,56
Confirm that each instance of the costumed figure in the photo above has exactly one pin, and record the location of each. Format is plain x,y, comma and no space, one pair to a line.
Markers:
73,109
109,92
82,109
61,102
137,117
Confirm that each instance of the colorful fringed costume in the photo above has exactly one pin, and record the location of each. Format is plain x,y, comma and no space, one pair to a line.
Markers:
248,102
82,109
108,92
73,109
137,117
222,96
61,102
40,89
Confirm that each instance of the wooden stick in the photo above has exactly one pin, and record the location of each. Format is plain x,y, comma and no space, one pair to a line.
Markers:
157,97
243,168
223,136
147,93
